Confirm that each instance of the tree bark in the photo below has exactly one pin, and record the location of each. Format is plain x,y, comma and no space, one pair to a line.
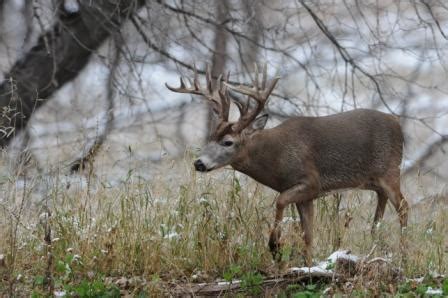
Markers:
220,42
219,52
58,57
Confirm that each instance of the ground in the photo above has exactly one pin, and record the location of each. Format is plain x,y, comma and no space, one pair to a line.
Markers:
152,238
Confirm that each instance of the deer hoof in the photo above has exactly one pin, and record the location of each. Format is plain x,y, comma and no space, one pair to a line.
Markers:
275,248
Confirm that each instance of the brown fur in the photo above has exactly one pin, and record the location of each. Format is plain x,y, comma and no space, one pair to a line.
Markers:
305,157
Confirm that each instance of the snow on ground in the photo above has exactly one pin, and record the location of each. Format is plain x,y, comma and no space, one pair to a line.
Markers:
326,266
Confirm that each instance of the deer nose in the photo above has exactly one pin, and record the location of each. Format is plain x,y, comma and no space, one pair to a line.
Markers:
199,166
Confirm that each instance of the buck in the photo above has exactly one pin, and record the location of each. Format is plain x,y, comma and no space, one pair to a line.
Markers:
303,157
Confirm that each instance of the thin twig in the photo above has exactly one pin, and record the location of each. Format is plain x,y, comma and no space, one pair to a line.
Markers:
164,53
345,55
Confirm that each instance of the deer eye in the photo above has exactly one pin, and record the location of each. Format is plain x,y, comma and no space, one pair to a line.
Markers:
227,143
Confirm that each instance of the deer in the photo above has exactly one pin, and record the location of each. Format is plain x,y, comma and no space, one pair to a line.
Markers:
304,157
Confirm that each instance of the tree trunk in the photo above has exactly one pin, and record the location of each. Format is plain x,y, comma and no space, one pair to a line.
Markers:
219,52
58,57
220,42
254,29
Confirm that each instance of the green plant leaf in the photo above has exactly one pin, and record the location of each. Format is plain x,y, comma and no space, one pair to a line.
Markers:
445,286
311,287
39,280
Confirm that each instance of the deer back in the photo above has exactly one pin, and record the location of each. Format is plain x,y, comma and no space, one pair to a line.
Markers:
341,151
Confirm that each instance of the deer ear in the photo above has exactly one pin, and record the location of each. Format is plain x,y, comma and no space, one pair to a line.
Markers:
258,124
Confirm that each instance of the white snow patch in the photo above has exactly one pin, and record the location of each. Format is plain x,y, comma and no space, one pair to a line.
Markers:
289,219
203,200
59,293
431,291
171,235
324,267
314,269
226,283
342,254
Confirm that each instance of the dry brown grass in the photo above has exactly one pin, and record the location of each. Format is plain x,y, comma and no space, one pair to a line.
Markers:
190,227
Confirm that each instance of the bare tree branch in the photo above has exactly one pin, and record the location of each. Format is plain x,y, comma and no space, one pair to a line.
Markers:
164,53
345,55
431,12
240,35
425,155
58,57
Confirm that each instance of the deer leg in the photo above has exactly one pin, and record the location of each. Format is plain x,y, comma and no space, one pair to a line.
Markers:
392,188
283,200
306,212
300,193
380,207
402,208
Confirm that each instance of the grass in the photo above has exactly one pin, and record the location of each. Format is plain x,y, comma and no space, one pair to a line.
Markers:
143,237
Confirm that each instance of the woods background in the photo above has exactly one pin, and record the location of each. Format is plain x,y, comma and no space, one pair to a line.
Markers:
83,81
98,194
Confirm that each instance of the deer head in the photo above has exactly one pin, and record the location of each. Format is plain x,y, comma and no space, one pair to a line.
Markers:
228,139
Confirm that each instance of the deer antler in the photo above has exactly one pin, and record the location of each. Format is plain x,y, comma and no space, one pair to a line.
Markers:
259,93
218,96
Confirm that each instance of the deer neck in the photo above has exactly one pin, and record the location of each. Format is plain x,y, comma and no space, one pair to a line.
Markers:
253,160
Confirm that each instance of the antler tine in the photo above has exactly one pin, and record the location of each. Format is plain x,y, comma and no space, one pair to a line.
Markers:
223,95
242,89
195,87
183,88
259,93
271,87
242,107
226,91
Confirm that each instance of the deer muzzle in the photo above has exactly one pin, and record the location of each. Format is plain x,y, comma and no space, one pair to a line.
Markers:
200,166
